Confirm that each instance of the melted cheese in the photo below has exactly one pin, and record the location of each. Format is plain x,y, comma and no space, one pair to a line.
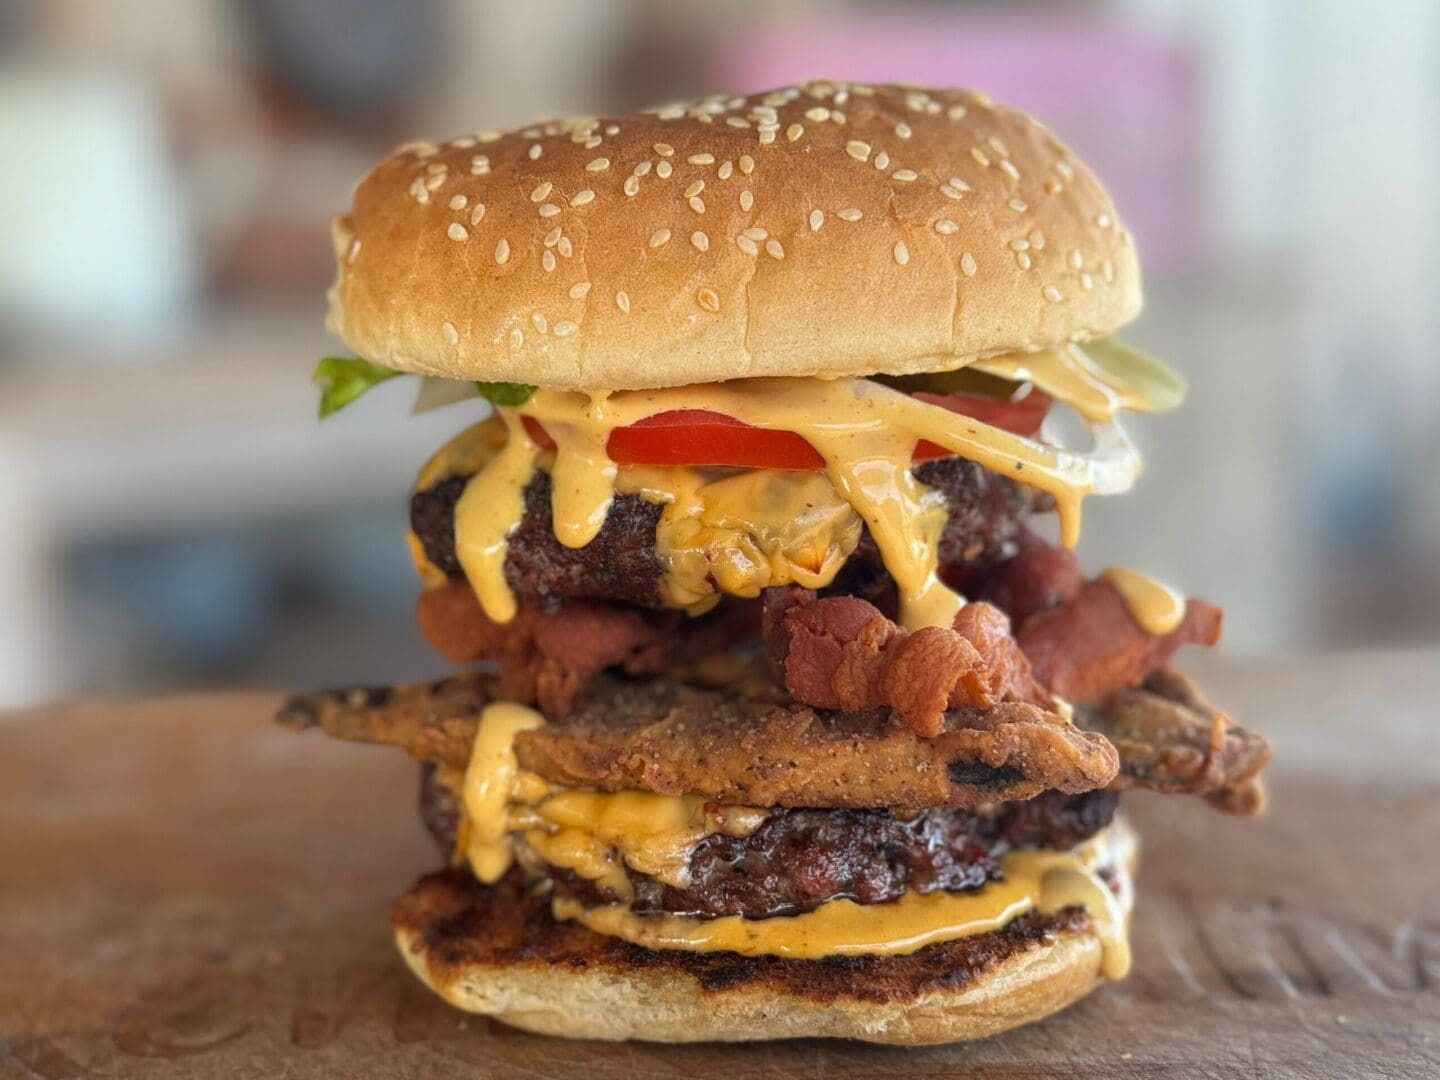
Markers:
490,784
1156,607
1042,880
1068,375
738,534
593,833
865,432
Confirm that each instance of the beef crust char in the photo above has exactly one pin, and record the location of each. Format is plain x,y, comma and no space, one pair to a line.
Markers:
620,565
461,925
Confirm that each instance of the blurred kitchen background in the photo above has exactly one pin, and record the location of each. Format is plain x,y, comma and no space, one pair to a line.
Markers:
172,514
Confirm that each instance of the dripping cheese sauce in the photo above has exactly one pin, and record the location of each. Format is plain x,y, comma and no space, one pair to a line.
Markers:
741,535
599,835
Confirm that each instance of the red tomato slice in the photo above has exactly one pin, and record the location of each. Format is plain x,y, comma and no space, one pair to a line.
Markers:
703,437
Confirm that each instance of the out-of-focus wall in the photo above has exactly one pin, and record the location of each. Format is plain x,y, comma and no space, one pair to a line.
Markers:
171,513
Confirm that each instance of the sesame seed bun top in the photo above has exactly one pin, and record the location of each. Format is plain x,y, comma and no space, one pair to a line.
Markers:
826,229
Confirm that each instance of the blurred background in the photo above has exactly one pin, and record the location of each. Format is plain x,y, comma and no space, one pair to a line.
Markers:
171,513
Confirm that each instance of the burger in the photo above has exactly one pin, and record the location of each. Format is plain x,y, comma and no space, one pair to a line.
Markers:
782,706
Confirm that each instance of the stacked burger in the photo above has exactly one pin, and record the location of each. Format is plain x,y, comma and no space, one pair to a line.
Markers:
778,712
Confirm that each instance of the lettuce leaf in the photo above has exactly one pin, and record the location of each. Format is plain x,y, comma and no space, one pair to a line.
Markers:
342,379
505,393
1161,387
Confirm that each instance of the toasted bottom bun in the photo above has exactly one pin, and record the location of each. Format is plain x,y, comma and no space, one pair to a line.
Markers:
497,951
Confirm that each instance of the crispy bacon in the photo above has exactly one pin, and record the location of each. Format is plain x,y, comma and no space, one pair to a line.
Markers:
547,655
1091,644
843,653
1040,576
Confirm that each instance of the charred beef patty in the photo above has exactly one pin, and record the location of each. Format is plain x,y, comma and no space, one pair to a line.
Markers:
798,859
986,514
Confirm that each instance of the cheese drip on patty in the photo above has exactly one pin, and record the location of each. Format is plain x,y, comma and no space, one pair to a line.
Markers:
598,835
865,432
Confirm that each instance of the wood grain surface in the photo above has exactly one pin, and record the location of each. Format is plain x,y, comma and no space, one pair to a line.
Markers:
188,891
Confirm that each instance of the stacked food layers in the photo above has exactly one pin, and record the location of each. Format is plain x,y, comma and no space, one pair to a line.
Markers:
778,713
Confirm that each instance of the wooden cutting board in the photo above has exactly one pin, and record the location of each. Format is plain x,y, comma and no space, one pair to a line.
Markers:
187,890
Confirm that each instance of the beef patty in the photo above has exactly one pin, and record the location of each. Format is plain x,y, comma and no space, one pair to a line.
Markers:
986,514
798,859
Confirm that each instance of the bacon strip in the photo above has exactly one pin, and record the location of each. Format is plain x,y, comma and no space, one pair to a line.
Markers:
1039,577
843,653
1092,645
546,657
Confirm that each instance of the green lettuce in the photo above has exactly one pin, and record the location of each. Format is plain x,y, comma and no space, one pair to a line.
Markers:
342,379
505,393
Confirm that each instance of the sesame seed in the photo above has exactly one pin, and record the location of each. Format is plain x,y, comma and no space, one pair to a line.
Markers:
479,165
502,251
451,335
457,231
882,161
535,151
517,338
849,215
565,329
540,323
967,264
701,159
579,289
708,299
837,116
547,260
747,200
564,247
1037,240
1051,293
958,184
354,251
697,204
1019,244
1076,259
774,248
950,191
433,182
1127,238
955,112
552,237
1023,260
980,155
905,174
1009,169
902,129
755,233
476,213
437,167
1053,186
663,170
632,185
599,164
745,244
622,301
490,136
643,168
1018,205
664,149
794,131
858,150
1103,219
538,195
612,129
747,164
658,237
737,121
700,241
1063,168
458,202
998,146
767,137
902,253
580,198
464,142
549,209
725,170
817,218
945,227
694,189
1087,282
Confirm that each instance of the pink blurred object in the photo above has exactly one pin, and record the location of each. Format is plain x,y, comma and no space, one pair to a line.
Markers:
1126,100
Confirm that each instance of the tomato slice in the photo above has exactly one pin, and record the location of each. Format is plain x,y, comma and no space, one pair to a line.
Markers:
703,437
